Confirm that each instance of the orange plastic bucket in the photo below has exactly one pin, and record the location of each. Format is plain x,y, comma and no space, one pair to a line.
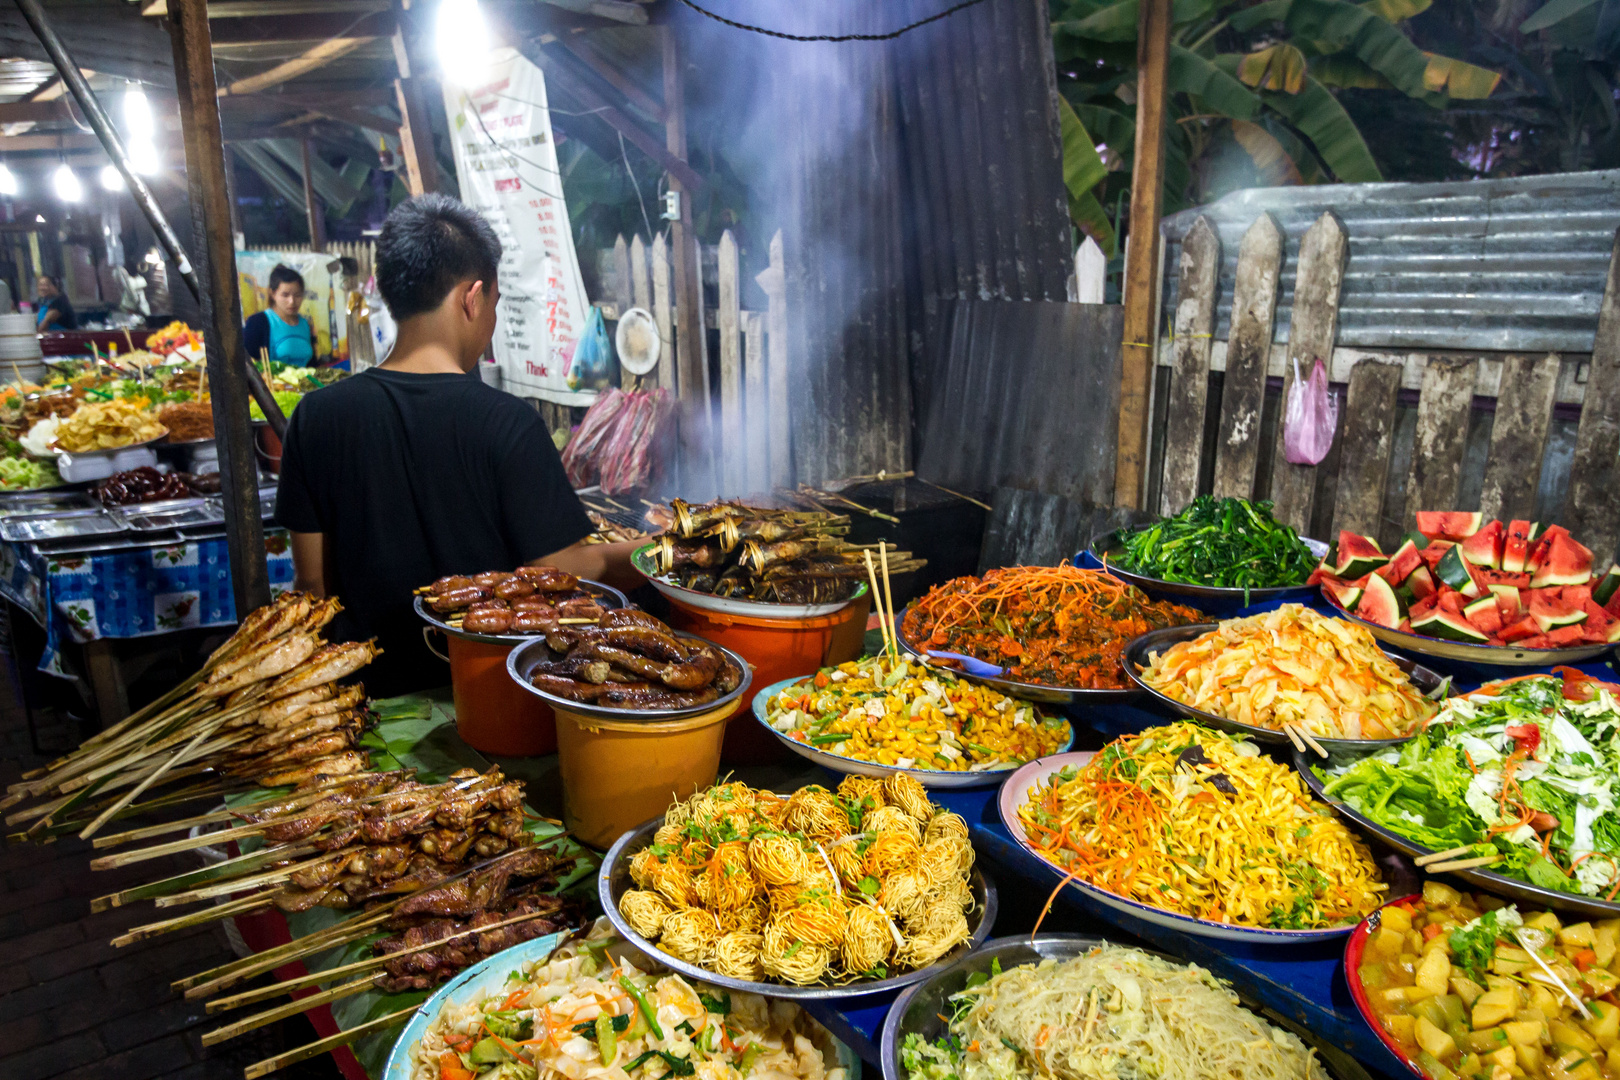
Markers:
495,715
776,649
618,774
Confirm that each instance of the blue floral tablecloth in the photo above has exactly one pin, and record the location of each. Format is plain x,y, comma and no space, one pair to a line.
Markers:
129,592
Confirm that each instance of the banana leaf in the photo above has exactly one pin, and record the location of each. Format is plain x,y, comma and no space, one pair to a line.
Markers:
1317,115
1214,86
1396,10
1109,127
1553,13
1346,71
1339,26
1271,159
1117,22
1459,79
1276,67
1083,169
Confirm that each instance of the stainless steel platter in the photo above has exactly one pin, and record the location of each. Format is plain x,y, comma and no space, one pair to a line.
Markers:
607,595
59,526
1502,655
522,661
1105,548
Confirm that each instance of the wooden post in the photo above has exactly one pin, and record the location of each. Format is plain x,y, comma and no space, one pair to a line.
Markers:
696,464
1591,509
1248,354
733,446
221,301
1142,258
621,275
640,282
1524,406
312,205
1441,439
1090,273
415,129
773,280
757,410
1189,365
667,374
1364,455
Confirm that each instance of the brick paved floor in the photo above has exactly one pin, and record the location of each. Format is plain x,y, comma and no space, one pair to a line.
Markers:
72,1006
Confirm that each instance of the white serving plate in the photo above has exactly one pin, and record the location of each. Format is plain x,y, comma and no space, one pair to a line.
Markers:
1016,791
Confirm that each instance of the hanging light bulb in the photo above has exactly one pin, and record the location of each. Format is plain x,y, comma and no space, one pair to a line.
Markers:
8,181
142,129
463,42
111,178
67,185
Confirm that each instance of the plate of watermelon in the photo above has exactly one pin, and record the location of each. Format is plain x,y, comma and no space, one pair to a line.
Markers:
1463,588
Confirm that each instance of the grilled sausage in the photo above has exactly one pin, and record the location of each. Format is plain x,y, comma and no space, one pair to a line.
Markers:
487,620
457,599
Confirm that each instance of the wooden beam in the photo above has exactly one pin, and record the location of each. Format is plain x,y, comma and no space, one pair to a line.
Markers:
39,112
249,9
275,29
615,78
415,129
312,205
1142,258
697,471
318,57
67,141
221,302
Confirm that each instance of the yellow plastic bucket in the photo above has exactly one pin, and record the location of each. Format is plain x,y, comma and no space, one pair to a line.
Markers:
618,774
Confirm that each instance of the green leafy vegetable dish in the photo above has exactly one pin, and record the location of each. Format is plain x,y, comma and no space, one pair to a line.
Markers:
1109,1014
1523,775
18,472
1217,543
287,399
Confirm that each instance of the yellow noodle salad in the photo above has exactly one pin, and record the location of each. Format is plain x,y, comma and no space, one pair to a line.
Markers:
1293,666
819,887
913,716
1198,823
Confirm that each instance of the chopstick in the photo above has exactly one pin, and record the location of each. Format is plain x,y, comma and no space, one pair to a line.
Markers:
1442,856
1302,738
1293,737
1463,864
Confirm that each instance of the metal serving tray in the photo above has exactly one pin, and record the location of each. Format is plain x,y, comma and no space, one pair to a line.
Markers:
164,514
43,501
73,523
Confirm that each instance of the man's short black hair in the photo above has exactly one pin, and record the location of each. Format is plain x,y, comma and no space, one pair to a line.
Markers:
429,245
285,275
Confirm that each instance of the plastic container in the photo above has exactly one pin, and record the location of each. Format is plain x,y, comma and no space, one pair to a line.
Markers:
776,649
494,715
77,470
617,774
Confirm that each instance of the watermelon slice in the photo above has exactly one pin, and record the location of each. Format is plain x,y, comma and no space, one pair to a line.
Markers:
1519,631
1448,525
1401,564
1451,600
1508,599
1435,552
1575,594
1357,556
1484,548
1343,595
1565,562
1424,606
1490,578
1516,548
1600,627
1551,612
1565,636
1607,586
1379,603
1485,615
1421,583
1452,570
1452,627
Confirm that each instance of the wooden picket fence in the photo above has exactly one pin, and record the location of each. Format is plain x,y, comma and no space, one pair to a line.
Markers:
743,420
1525,390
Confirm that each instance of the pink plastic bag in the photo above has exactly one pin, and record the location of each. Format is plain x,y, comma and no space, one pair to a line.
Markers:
1310,416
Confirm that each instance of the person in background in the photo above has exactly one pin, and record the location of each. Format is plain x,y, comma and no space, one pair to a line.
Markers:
281,331
54,311
416,469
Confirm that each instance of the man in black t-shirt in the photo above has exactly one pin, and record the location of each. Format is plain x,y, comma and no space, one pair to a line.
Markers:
416,469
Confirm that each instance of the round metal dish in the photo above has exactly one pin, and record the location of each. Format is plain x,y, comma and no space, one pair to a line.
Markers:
607,594
935,778
726,605
521,662
1136,657
1354,947
1016,791
1041,695
1104,547
1521,892
487,977
613,881
1440,648
923,1006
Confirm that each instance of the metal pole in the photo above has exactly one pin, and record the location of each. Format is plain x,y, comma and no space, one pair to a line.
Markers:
114,145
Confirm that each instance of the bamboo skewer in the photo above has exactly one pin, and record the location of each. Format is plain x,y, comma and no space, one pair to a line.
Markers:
958,494
1463,864
281,1012
888,603
254,881
1293,737
218,911
189,750
877,601
239,865
1442,856
321,1046
213,980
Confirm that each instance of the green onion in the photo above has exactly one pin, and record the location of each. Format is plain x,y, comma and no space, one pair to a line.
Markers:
644,1005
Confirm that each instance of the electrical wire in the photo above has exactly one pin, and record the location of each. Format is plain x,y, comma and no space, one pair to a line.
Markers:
645,220
831,37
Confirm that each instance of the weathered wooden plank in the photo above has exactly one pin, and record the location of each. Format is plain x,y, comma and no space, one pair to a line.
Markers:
732,441
1243,392
1313,325
1519,437
757,408
640,281
1189,370
667,373
620,288
1592,511
1442,435
773,279
1364,454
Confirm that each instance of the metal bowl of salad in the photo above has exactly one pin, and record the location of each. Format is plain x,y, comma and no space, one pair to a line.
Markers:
1514,788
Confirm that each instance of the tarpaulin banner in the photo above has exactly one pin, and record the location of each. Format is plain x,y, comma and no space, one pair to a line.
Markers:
506,162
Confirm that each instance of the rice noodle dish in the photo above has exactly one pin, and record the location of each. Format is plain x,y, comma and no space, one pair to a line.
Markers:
1113,1014
595,1008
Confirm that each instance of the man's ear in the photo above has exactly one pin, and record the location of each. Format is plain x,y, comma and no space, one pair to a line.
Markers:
477,295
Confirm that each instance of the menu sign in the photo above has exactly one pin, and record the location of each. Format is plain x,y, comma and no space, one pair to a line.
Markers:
506,162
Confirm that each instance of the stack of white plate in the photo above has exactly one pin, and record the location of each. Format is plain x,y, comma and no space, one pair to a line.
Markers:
19,349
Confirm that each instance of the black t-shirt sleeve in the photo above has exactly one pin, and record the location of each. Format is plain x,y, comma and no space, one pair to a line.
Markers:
295,503
539,511
256,335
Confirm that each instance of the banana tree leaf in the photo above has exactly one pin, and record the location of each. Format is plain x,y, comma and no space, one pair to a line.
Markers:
1553,13
1083,167
1317,115
1346,71
1270,158
1091,219
1396,10
1214,85
1458,78
1259,14
1117,22
1343,27
1109,127
1276,67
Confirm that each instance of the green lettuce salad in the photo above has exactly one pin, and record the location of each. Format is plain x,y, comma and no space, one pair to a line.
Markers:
1527,770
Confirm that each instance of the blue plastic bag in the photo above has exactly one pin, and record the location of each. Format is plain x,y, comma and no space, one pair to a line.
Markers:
593,355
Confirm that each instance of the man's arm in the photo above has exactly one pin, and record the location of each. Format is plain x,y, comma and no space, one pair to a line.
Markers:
607,563
309,562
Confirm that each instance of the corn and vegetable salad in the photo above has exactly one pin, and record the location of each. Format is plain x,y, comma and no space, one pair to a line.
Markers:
913,716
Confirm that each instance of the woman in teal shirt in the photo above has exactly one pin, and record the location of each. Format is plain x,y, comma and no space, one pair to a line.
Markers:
282,331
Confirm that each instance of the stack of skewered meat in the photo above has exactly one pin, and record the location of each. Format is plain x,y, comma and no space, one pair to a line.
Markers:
264,711
528,600
630,660
755,553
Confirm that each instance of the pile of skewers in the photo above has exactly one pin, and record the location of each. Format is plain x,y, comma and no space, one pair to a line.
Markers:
755,553
264,711
630,660
528,600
